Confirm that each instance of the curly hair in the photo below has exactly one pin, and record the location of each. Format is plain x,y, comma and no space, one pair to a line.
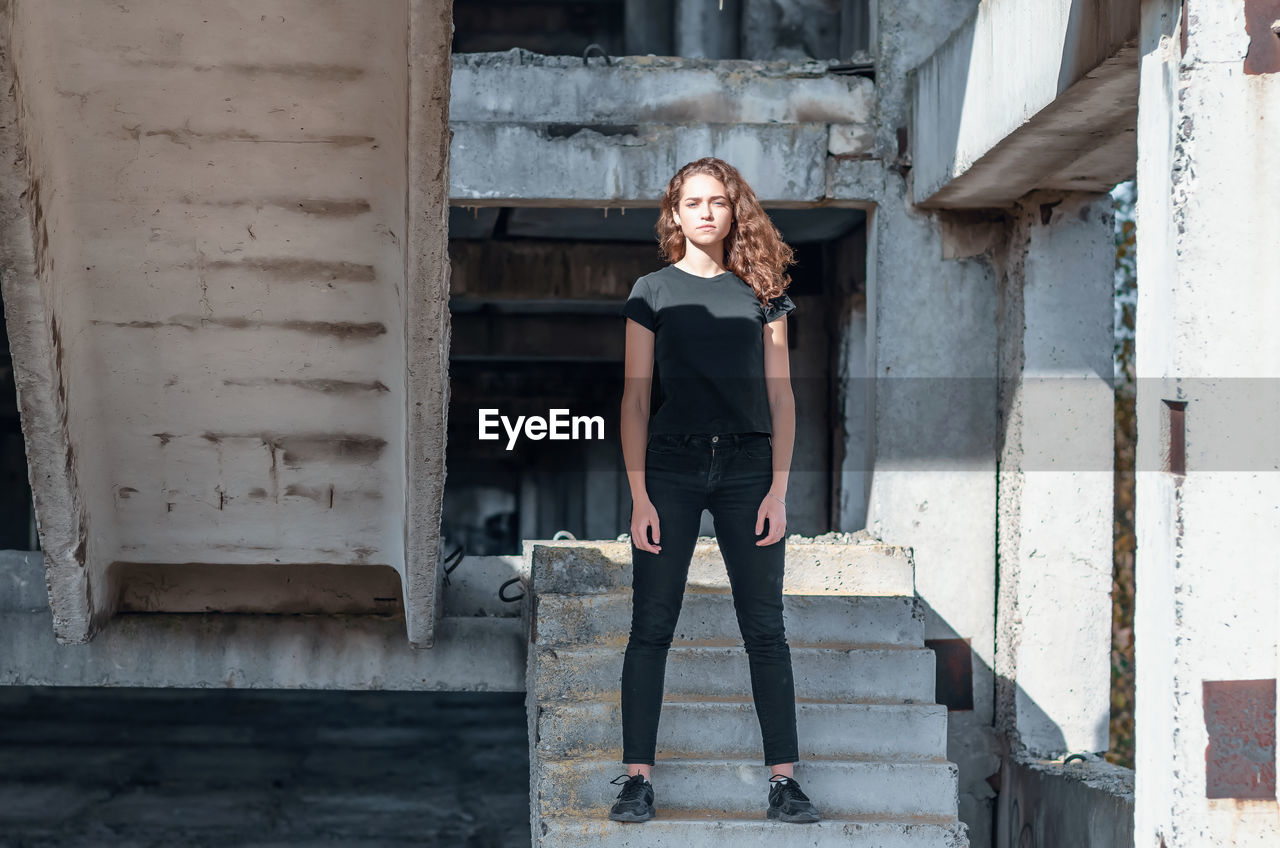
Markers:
754,249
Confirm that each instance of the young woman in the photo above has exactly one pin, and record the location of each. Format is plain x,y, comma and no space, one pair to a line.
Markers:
714,322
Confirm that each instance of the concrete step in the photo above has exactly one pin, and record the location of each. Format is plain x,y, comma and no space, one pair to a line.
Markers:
871,568
845,673
700,829
838,788
702,728
706,616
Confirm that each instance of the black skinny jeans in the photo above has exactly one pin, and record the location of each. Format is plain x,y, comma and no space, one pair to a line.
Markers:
730,475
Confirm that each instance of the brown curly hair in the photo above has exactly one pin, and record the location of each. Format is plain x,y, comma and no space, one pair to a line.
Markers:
754,249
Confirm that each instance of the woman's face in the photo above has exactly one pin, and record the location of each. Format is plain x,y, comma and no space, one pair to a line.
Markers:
704,212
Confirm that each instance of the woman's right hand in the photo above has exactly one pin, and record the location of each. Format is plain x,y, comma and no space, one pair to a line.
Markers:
643,516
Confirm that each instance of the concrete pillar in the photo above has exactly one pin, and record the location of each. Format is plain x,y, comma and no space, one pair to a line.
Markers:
707,30
1053,629
1208,359
931,347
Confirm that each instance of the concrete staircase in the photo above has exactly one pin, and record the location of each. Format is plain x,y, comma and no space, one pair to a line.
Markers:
872,742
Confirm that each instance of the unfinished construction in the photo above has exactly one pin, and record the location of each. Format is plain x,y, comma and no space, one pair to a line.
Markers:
305,246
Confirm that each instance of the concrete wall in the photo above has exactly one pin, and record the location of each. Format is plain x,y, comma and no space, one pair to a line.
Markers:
1025,96
907,33
614,134
1208,599
1064,805
212,349
1053,639
931,336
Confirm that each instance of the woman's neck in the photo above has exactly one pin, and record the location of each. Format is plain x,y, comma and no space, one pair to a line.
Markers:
702,263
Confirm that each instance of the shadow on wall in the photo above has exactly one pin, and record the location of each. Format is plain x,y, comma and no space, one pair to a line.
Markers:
1076,799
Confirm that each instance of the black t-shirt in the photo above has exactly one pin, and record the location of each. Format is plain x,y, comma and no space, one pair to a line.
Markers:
708,350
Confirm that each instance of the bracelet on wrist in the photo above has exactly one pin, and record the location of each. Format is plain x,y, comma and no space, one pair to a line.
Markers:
778,499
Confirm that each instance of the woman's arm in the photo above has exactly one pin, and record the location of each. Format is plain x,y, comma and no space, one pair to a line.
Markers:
782,403
782,412
634,423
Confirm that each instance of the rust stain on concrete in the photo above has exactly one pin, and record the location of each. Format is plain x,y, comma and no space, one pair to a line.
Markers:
304,70
1240,718
1262,23
319,494
316,385
341,329
185,136
295,269
299,448
319,207
330,447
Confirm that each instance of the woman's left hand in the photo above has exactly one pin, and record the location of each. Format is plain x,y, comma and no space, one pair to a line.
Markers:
775,511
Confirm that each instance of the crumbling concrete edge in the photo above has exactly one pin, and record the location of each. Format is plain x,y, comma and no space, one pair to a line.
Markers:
426,310
529,622
34,341
1090,798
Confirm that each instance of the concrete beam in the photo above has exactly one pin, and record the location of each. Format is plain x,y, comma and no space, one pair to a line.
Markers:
615,132
516,86
1056,507
629,165
477,653
1026,96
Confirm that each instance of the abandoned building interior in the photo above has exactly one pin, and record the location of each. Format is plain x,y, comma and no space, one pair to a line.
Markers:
265,266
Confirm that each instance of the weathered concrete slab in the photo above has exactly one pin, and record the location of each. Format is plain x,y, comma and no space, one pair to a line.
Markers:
900,675
707,617
686,830
475,652
846,788
1025,96
266,651
615,132
592,166
514,86
812,569
838,729
1091,801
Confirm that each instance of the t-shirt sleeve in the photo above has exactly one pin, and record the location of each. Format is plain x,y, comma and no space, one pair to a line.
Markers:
639,305
778,306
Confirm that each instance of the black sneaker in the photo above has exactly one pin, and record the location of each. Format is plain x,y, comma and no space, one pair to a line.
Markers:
787,803
635,801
